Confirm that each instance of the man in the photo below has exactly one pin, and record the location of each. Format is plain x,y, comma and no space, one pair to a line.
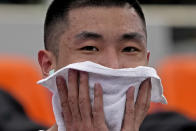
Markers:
108,32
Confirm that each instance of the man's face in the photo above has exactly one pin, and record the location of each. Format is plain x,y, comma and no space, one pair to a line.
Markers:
113,37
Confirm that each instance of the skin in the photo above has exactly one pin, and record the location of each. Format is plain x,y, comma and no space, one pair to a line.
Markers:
113,37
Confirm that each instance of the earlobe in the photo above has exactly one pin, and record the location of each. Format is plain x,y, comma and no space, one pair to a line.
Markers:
47,62
148,57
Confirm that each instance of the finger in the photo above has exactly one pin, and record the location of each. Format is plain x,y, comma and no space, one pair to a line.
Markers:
128,122
84,99
73,95
62,90
98,113
149,95
143,93
142,102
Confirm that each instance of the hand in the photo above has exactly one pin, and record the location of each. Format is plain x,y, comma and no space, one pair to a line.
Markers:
75,101
135,113
77,111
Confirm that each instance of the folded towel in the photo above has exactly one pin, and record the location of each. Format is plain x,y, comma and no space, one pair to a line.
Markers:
115,83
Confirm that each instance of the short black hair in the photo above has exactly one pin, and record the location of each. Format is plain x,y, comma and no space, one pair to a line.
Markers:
58,12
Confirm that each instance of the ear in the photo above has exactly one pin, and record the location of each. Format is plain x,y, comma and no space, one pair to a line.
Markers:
47,62
148,57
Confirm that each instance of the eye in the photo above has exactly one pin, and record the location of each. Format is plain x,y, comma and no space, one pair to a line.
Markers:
89,48
130,49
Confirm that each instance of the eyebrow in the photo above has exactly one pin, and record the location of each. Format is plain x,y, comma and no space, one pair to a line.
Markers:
132,36
88,35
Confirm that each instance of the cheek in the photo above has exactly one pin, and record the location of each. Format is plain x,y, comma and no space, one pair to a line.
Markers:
69,57
133,61
64,58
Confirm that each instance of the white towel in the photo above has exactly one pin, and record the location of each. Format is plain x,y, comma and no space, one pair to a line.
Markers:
115,83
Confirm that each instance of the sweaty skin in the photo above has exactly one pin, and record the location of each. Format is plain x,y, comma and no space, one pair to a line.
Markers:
113,37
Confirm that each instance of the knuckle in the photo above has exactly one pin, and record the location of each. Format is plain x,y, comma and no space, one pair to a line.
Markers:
94,112
143,103
100,127
87,127
96,116
63,104
68,122
72,100
82,101
130,111
143,107
76,126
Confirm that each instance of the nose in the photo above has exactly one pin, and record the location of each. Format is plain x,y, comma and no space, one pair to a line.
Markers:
110,59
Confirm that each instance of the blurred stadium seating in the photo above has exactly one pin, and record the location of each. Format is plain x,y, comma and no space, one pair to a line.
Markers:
178,74
19,77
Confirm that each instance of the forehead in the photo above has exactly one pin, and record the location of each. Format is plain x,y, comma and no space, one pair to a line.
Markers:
105,20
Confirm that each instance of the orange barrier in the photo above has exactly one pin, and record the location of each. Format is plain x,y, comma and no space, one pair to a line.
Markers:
178,76
18,76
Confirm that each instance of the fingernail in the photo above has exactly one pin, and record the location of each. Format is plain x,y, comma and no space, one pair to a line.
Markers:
147,79
133,88
130,90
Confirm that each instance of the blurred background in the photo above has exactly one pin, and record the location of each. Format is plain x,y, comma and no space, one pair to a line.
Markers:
171,39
